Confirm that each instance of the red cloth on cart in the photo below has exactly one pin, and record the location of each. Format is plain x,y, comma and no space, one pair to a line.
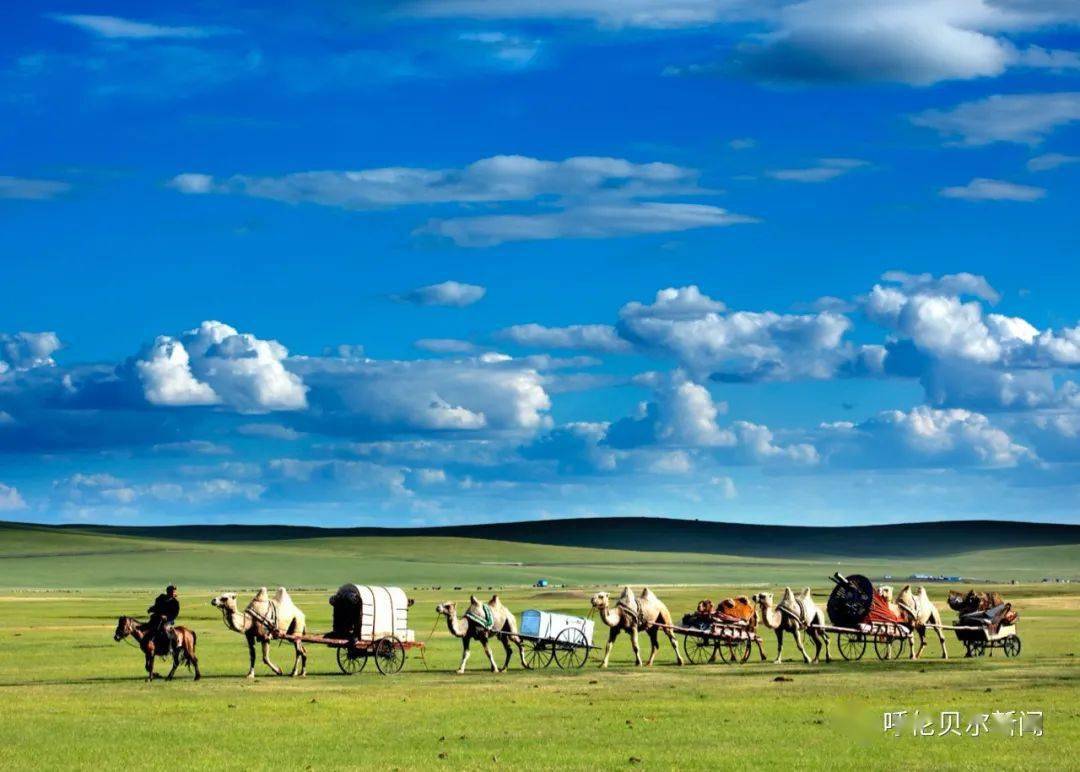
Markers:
880,612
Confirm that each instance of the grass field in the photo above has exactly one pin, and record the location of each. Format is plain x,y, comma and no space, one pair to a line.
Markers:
72,698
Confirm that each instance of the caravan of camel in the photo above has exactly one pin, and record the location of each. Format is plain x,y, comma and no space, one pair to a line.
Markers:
371,622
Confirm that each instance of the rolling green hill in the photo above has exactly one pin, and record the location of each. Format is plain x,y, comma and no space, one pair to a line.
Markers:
576,552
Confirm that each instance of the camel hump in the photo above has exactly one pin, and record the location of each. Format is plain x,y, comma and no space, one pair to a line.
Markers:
648,594
282,596
261,595
788,594
494,602
474,600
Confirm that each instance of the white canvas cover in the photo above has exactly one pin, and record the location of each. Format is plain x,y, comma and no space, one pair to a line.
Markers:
383,610
548,624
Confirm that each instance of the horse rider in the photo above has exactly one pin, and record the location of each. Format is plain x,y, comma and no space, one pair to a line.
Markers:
164,612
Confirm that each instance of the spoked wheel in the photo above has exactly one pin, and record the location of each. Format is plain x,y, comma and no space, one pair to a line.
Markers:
699,650
888,647
976,648
389,655
1011,645
538,654
351,660
852,645
571,649
735,651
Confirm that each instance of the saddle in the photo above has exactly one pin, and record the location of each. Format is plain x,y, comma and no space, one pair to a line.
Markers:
483,616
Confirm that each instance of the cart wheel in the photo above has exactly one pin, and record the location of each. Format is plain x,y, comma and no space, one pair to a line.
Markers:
1011,645
351,660
698,650
852,645
735,651
538,654
976,648
571,649
389,655
888,647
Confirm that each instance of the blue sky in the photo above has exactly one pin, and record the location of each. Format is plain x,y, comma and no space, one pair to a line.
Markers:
428,263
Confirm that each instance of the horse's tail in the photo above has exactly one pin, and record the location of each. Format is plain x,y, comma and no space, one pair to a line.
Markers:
188,651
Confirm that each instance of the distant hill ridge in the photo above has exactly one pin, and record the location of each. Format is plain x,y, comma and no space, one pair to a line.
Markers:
656,534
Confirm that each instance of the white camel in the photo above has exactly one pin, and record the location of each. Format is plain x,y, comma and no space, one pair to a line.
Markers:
631,614
793,615
255,622
920,612
482,622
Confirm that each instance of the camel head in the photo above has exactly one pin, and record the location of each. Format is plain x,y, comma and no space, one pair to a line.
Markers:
447,608
600,601
227,601
763,599
886,592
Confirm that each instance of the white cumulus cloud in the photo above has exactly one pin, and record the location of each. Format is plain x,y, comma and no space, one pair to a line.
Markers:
214,364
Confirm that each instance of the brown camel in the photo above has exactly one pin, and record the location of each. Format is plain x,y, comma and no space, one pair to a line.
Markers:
792,616
158,645
482,622
645,612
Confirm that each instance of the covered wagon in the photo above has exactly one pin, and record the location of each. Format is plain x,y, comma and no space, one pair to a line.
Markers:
371,621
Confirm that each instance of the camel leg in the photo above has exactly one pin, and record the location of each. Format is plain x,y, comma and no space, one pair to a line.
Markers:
779,646
251,656
825,636
761,649
266,658
464,654
302,653
675,645
922,643
509,652
636,645
613,633
941,640
654,640
491,657
800,645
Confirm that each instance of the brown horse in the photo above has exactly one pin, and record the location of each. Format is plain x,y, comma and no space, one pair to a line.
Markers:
151,648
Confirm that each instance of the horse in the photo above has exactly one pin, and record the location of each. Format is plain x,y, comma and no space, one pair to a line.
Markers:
184,647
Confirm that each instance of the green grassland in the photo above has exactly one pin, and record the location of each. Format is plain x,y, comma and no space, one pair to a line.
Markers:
70,697
612,551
